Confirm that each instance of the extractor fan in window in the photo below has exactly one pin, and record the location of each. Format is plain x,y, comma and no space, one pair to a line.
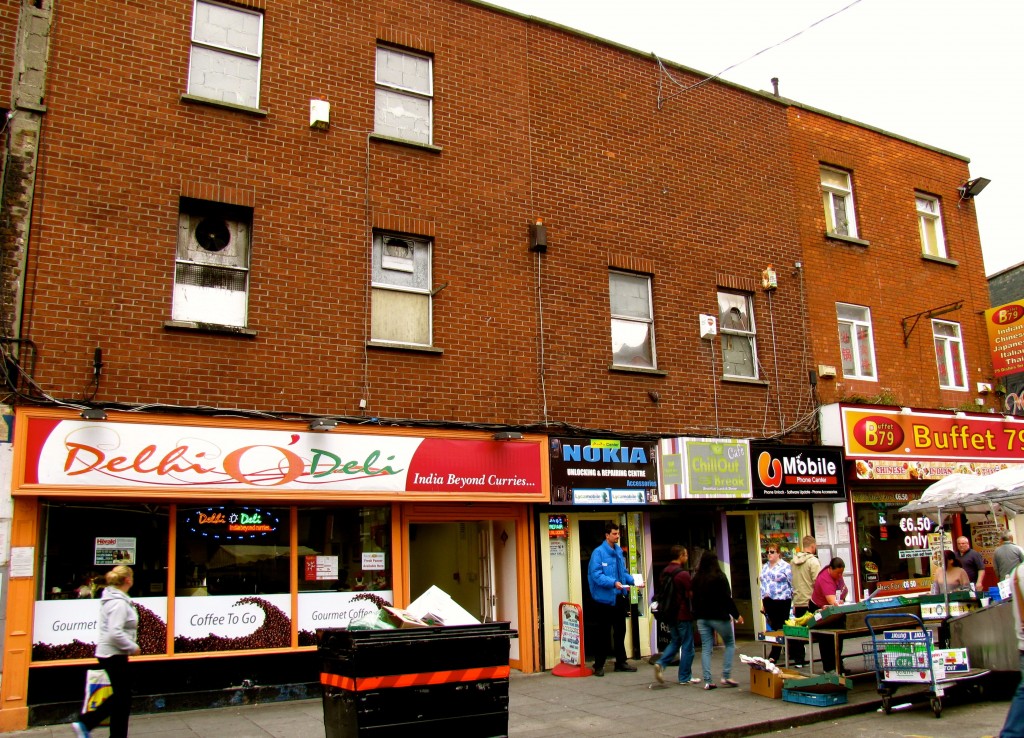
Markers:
213,240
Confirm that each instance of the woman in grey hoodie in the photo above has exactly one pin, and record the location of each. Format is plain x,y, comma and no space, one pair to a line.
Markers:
118,628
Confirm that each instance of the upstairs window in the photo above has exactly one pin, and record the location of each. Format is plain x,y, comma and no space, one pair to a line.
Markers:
949,355
837,197
739,338
401,304
211,275
227,45
632,320
929,219
856,344
404,100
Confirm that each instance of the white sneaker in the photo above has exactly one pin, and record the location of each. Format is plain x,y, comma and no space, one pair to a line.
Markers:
80,730
658,673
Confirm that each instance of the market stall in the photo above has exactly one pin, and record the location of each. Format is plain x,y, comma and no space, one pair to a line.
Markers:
988,632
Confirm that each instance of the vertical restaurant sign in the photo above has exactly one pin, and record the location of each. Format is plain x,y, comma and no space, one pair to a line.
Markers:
1005,325
603,471
886,435
77,454
797,473
705,468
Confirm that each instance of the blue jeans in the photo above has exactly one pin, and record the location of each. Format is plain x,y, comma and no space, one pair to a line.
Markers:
1014,725
707,629
682,638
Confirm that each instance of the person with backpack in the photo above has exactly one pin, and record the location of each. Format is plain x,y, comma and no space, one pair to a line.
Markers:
673,600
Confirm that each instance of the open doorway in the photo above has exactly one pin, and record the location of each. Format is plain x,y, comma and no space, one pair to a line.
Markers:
474,562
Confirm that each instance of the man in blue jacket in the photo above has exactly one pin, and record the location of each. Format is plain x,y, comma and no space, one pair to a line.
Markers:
609,588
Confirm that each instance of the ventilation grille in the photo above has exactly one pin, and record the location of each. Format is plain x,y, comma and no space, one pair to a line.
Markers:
206,276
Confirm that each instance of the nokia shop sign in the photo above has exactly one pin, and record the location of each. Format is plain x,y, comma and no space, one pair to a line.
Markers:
603,471
801,473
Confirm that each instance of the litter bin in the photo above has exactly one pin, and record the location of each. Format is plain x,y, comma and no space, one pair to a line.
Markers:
381,682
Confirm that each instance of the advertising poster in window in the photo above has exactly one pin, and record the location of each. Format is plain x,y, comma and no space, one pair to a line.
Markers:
68,629
705,468
114,552
603,472
232,623
336,610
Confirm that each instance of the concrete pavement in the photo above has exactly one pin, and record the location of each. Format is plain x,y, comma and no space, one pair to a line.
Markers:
546,705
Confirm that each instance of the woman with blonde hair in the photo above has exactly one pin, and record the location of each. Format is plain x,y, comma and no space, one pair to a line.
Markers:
118,628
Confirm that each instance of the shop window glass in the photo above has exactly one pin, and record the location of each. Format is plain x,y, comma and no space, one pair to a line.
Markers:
232,588
894,548
344,569
80,543
779,529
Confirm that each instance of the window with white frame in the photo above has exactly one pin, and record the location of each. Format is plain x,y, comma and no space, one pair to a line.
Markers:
632,320
949,355
211,275
929,219
404,100
227,46
837,197
738,335
856,344
401,303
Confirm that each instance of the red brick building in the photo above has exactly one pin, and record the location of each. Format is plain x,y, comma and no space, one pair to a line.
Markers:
422,222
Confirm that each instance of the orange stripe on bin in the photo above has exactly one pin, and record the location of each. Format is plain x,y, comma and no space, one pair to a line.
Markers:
394,681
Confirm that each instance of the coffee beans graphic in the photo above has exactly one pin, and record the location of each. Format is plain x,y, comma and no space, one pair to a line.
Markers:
276,632
152,638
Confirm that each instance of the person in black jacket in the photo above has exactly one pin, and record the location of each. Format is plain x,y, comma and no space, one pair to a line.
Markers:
715,610
680,619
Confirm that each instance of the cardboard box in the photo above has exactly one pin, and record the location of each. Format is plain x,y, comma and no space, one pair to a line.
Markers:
954,659
401,618
765,683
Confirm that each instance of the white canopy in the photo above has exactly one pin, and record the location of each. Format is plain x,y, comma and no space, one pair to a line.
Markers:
960,492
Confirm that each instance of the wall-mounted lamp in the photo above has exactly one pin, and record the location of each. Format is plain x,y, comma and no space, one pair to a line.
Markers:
508,436
94,413
538,237
905,411
322,425
655,397
973,187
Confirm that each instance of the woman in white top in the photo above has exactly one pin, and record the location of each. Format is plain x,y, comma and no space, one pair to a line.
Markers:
118,628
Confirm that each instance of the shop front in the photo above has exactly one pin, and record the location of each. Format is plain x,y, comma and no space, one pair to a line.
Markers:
592,482
247,536
891,456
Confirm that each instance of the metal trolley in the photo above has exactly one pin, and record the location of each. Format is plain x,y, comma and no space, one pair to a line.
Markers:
905,657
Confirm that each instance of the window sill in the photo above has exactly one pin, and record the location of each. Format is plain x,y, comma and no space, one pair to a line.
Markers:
637,370
940,260
405,142
404,347
746,380
846,239
194,99
188,325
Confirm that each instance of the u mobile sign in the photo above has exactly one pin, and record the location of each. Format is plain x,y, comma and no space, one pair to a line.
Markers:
797,473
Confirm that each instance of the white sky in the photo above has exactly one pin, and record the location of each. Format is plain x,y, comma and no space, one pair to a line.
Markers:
947,73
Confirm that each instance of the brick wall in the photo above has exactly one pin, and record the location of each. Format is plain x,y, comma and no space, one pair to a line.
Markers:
531,122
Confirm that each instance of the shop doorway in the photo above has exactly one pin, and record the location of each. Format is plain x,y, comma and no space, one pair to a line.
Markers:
457,557
476,562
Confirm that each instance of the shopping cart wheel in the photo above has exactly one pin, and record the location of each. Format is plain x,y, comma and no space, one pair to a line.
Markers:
937,706
886,703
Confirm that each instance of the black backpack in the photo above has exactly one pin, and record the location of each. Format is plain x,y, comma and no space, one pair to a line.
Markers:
665,599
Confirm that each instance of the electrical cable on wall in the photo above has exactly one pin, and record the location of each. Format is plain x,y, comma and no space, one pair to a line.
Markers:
714,383
775,360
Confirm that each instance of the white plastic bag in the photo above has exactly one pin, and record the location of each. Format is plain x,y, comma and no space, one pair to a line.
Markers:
97,691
